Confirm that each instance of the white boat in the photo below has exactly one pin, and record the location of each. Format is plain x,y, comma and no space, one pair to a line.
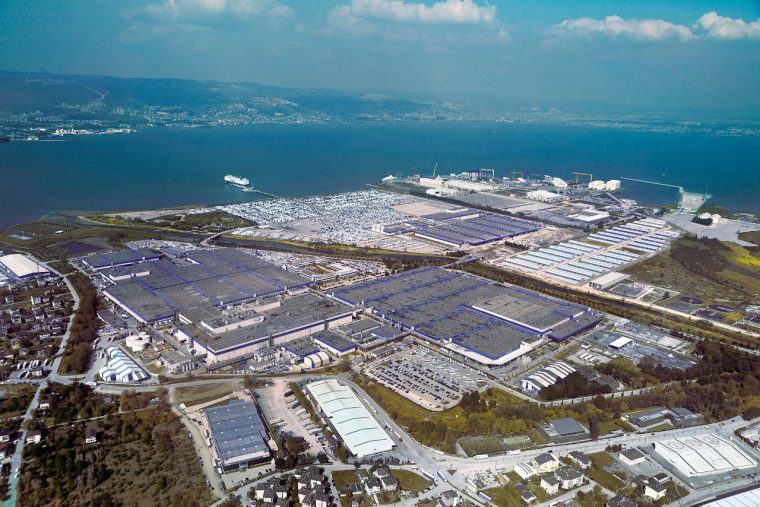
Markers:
237,181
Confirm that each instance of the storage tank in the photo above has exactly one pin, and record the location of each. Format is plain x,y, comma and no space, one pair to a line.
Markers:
596,185
612,185
716,218
705,216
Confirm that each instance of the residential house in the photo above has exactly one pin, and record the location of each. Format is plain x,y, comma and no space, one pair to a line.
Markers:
545,463
569,477
550,484
450,498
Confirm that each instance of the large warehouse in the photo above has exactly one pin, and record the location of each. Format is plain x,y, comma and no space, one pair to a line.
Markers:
279,322
703,454
349,418
239,434
488,322
21,266
127,257
212,277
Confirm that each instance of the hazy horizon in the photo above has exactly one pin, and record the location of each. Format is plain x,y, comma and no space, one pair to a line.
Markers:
699,60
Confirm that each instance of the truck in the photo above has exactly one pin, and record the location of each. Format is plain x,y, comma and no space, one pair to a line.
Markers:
428,475
442,476
484,496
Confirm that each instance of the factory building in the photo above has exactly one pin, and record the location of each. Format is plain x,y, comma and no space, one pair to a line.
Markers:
487,322
291,318
127,257
703,454
23,267
334,343
348,418
239,434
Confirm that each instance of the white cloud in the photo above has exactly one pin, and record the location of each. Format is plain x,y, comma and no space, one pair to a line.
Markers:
239,8
729,28
446,11
637,29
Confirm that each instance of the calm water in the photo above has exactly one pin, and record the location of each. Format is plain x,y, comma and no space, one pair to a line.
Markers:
162,168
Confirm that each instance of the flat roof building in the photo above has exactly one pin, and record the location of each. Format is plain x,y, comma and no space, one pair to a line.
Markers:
703,454
294,317
22,266
563,430
334,343
485,321
239,434
349,418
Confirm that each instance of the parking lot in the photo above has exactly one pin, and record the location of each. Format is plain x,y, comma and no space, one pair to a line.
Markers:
277,407
429,379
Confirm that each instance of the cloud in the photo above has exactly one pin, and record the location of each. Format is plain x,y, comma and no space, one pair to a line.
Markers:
358,16
197,9
395,19
617,27
728,28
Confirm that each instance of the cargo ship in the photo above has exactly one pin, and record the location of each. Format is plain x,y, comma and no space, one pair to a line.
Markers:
237,182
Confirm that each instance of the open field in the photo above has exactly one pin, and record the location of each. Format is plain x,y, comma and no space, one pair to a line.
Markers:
60,237
716,272
196,395
208,222
409,481
751,236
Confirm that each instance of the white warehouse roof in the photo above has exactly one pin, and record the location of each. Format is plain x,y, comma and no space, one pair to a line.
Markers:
703,454
620,342
121,368
359,430
23,266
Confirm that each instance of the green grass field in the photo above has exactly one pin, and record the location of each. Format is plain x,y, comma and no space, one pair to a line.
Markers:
409,481
717,272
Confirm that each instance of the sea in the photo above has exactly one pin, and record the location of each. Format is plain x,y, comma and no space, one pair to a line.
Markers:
160,168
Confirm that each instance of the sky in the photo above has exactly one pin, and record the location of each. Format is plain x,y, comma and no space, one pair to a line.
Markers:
694,59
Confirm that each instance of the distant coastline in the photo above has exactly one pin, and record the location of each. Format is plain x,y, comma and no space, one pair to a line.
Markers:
173,167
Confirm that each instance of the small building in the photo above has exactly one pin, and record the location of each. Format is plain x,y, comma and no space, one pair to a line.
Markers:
581,459
450,498
5,436
569,477
524,470
525,494
550,484
632,456
655,490
34,437
565,430
389,482
3,451
544,463
649,418
373,486
90,436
